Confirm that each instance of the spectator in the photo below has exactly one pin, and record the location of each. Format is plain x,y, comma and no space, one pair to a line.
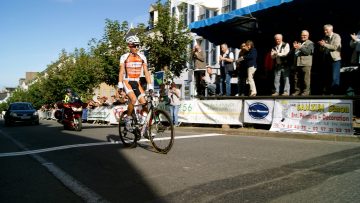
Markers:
92,104
226,69
241,71
163,93
199,66
303,61
210,81
174,96
330,45
281,68
355,44
249,62
120,97
355,58
103,101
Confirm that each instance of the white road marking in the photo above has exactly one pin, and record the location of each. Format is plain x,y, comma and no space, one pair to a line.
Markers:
185,137
71,183
37,151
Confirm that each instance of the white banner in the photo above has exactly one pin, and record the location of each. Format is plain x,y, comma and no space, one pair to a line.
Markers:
211,111
258,111
109,114
313,116
101,113
116,112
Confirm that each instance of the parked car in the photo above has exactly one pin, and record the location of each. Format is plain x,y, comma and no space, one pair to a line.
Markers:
21,112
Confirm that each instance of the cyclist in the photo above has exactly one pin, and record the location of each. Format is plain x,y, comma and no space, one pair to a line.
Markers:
132,65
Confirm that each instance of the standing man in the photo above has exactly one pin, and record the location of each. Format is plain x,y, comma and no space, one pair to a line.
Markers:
304,51
279,54
199,66
226,68
330,45
132,64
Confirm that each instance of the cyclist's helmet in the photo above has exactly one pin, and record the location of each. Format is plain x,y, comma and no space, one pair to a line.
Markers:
133,40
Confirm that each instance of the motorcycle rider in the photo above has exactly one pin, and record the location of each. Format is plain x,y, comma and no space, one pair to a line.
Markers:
132,65
70,96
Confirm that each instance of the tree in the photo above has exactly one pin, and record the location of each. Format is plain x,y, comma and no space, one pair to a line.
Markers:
107,51
168,42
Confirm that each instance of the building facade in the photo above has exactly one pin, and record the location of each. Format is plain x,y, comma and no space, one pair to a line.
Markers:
196,10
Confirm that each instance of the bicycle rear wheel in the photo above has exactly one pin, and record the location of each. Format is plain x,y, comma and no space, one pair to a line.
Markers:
127,136
161,131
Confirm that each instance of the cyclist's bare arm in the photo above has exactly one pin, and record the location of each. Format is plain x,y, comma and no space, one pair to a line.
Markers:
147,74
121,72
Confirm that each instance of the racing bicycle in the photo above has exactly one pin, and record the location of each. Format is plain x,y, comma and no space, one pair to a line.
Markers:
154,125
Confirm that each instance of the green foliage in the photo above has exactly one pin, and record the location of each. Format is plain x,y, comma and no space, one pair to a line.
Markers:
107,51
4,106
168,42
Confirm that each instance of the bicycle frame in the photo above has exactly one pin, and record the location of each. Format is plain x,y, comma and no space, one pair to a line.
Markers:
157,126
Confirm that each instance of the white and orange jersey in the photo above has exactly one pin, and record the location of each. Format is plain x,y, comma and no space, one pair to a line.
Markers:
133,65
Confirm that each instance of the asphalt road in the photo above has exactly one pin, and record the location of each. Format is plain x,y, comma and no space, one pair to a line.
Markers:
48,164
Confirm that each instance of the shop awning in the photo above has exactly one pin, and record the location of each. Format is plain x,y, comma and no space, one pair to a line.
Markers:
289,17
244,13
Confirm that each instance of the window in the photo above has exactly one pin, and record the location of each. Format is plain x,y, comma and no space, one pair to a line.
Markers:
173,11
207,51
192,13
201,13
213,54
228,5
185,14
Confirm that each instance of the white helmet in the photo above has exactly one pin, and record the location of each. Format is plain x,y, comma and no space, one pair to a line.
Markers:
133,40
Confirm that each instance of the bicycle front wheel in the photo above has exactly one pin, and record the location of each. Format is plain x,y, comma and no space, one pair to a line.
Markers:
161,131
127,136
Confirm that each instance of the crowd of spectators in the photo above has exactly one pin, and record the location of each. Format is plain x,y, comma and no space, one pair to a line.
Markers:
291,66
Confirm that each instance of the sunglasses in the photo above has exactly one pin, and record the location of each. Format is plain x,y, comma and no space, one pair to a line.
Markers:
133,46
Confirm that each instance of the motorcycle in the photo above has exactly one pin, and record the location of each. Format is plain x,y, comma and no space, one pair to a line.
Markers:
70,115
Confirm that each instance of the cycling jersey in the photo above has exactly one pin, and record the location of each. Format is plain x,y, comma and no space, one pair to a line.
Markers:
133,65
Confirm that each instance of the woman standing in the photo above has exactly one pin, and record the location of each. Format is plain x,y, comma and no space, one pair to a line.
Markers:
174,97
249,62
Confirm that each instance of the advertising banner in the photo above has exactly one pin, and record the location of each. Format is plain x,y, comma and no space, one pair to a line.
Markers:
313,116
99,113
258,111
116,112
211,111
109,114
158,79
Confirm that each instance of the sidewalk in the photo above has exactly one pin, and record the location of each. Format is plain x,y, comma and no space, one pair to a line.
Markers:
262,131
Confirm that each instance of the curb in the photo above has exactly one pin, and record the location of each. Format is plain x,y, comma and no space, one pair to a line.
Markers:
267,133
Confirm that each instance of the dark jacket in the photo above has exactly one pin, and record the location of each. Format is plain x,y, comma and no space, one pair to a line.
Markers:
250,58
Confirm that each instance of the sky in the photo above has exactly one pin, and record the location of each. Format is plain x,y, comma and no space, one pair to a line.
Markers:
33,32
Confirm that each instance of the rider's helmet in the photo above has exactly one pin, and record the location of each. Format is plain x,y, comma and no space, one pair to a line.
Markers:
133,40
68,90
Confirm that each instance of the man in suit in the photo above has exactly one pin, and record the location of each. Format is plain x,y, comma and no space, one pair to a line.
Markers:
330,45
303,61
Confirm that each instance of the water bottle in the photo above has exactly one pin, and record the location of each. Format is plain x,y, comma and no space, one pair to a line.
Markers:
143,118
